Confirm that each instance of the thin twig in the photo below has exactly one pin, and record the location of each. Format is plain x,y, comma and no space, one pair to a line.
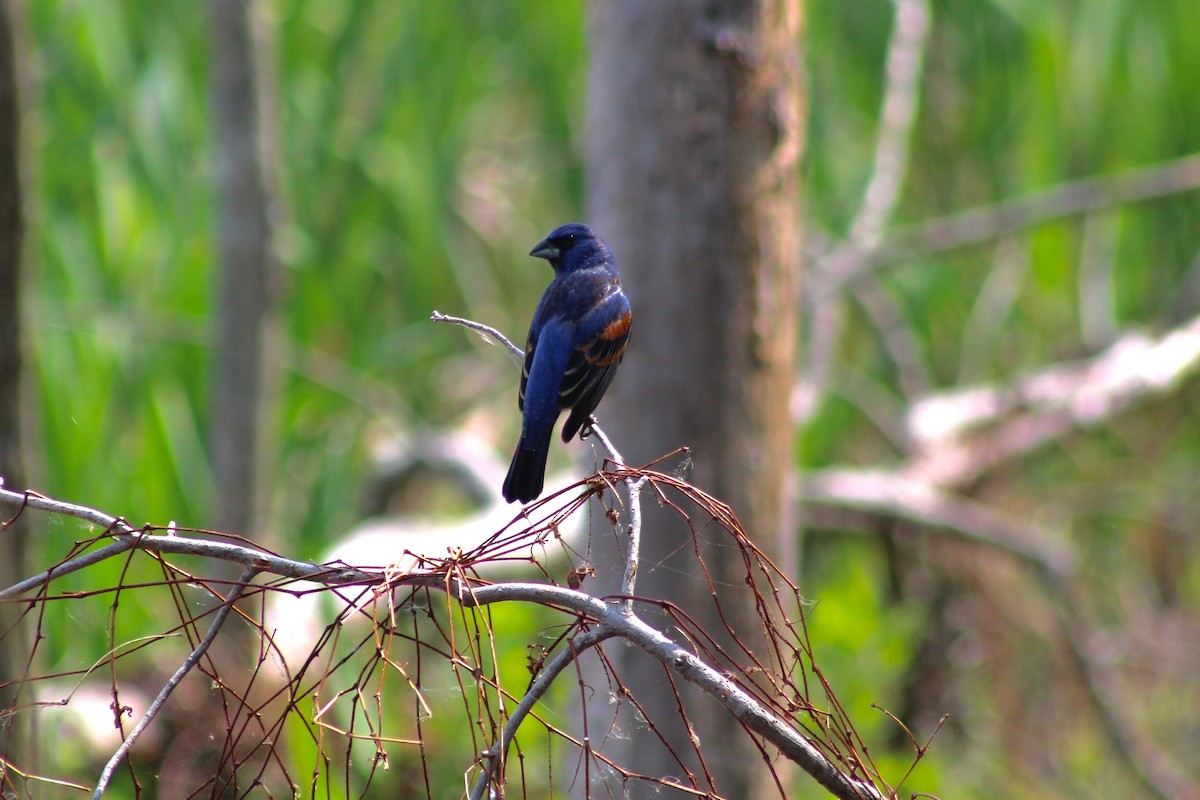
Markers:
905,496
634,529
126,542
130,538
850,262
594,429
188,664
610,616
633,489
486,331
744,707
498,752
897,118
905,58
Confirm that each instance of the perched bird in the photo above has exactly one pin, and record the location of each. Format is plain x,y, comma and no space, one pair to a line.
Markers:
576,340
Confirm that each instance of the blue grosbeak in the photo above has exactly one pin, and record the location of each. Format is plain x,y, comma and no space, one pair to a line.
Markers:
576,340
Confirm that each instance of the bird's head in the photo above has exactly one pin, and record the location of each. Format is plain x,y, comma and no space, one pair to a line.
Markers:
572,246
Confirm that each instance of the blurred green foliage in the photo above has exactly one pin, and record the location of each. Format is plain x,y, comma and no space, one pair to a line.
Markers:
422,147
1016,97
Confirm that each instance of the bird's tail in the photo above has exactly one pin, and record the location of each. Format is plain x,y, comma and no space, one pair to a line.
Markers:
527,472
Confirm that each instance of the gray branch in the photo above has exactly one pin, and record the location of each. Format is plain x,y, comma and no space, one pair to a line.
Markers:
125,538
496,756
486,331
611,619
905,60
744,707
852,261
187,666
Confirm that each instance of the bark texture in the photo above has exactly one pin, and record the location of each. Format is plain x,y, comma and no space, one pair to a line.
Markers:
12,236
247,267
244,333
695,123
14,646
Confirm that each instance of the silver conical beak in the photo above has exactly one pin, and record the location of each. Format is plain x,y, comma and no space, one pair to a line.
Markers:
544,249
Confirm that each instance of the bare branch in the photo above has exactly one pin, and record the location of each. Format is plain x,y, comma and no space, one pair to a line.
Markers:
962,433
746,709
127,538
905,496
905,57
537,690
124,544
594,429
905,60
908,497
634,529
762,714
188,664
486,331
852,261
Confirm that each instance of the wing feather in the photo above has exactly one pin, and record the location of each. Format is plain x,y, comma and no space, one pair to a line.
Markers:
594,362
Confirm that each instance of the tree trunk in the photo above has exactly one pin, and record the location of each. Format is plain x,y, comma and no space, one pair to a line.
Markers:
15,644
695,136
244,332
247,267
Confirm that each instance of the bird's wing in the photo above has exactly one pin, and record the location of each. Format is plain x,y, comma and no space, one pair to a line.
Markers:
600,341
530,347
545,364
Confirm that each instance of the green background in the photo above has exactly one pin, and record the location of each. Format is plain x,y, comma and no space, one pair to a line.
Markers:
424,147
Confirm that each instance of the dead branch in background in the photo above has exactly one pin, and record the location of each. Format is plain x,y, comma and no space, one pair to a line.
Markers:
957,437
959,434
873,495
846,263
897,118
949,443
903,74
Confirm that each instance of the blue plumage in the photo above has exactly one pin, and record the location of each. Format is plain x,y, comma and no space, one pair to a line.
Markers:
577,338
